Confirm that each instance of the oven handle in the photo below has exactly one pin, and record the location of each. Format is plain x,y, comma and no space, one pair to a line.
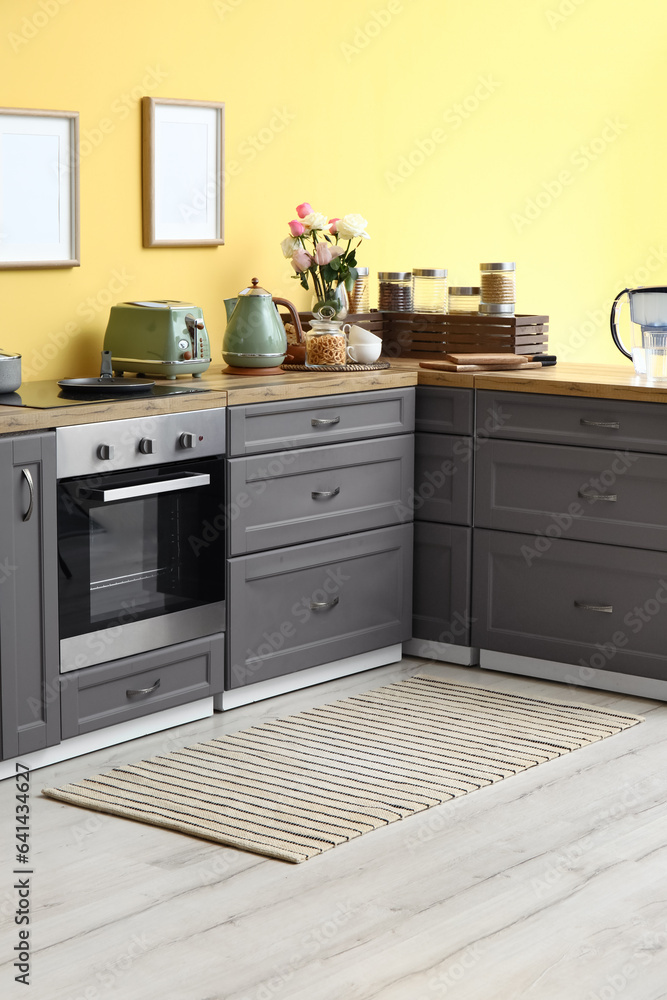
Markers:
188,482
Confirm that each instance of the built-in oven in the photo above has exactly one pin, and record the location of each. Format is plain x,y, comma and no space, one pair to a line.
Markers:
141,540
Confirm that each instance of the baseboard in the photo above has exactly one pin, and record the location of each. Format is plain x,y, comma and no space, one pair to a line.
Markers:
574,676
76,746
306,678
465,656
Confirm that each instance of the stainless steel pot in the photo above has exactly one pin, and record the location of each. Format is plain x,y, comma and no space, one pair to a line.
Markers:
10,371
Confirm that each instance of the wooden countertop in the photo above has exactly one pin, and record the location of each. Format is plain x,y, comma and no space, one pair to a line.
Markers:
225,390
566,379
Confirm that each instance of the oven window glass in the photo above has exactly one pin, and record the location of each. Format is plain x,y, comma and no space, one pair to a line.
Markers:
124,560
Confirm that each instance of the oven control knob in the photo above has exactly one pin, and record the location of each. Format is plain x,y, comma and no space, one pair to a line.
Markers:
146,446
188,440
105,452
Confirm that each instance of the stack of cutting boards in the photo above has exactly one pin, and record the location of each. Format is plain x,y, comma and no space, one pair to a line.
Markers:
481,363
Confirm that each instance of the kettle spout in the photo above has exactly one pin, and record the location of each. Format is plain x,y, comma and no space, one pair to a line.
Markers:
230,305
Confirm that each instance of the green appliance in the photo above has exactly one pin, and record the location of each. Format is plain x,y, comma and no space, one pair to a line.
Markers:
164,338
255,342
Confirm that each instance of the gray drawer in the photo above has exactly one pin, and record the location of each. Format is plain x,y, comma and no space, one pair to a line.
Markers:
297,607
311,493
544,488
565,420
298,423
443,478
529,606
440,410
441,591
102,696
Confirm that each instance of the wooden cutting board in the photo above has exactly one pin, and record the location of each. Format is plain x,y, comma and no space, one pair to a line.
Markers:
449,366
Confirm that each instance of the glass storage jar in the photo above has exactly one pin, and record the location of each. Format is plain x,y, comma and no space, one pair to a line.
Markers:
498,289
359,296
463,299
395,291
429,290
326,343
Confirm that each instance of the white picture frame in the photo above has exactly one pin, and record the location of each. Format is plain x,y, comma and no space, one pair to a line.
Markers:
39,188
182,172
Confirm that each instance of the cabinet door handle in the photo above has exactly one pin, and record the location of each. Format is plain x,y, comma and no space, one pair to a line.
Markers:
609,497
323,605
606,609
324,422
142,692
325,494
611,424
31,489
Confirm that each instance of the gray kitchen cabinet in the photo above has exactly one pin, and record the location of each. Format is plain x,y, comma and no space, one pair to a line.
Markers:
298,423
579,603
311,493
443,478
443,410
297,607
136,686
29,681
442,583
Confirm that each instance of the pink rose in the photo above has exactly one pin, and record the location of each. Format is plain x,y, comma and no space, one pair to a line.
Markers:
334,227
301,261
296,228
304,209
336,251
323,253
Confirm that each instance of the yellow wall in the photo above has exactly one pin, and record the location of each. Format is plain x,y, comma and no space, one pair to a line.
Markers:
339,100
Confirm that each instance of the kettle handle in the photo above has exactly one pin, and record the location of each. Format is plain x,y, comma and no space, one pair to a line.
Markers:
293,314
614,328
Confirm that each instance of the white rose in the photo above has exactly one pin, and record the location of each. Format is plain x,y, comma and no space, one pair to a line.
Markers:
289,245
352,226
315,221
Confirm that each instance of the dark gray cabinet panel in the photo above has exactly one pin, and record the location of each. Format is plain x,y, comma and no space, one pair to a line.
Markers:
615,497
299,423
441,410
443,478
441,601
28,594
298,607
592,606
598,423
140,685
312,493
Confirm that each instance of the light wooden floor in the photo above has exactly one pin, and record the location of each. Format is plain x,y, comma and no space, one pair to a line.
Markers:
549,886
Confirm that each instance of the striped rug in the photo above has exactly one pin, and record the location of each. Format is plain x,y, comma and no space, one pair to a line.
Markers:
299,786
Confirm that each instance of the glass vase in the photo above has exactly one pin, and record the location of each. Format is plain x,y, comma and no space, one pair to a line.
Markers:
334,305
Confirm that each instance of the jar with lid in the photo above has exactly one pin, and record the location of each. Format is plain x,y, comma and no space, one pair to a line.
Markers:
463,298
498,289
326,343
429,290
395,291
359,296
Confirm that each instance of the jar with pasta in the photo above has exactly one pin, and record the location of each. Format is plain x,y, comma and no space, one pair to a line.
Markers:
326,344
498,295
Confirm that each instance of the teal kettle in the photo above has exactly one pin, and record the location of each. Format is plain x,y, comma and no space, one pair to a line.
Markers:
255,342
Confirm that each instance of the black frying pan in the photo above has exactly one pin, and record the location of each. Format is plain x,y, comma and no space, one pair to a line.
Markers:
107,382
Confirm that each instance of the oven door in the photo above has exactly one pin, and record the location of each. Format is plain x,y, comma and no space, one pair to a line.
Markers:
141,557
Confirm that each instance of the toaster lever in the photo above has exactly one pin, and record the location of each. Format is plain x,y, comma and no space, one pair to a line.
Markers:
193,326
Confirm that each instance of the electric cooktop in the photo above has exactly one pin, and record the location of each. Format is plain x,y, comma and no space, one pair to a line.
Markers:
48,395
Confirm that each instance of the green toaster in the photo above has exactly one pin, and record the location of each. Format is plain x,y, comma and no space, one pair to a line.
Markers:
160,338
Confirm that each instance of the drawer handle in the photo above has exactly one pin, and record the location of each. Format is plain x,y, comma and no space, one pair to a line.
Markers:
142,692
323,605
611,424
325,494
324,422
606,609
609,497
31,491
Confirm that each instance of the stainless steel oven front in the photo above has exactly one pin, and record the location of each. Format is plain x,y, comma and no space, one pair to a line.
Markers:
141,541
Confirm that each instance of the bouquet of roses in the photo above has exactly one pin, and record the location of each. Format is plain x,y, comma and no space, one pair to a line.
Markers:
316,249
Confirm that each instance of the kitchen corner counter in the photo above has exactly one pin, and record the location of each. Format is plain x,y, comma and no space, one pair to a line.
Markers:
597,381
